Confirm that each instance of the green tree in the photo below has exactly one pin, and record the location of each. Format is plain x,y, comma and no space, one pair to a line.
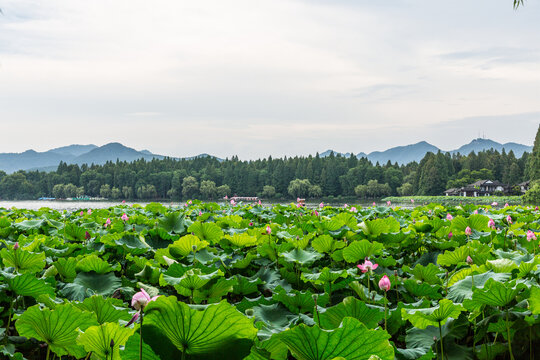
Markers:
268,191
299,188
208,189
532,171
127,191
223,190
116,193
105,191
58,191
190,187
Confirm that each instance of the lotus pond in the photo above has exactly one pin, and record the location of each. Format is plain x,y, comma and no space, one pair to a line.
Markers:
208,281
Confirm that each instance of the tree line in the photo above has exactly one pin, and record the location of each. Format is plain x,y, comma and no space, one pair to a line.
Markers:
289,177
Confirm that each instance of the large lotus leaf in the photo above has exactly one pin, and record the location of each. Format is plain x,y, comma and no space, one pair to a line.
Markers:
429,274
359,250
534,300
476,222
74,232
501,265
214,292
206,231
88,284
28,285
453,257
66,268
495,293
275,317
23,261
325,276
525,267
421,318
98,340
10,351
332,317
198,331
105,310
463,289
352,341
57,328
242,240
304,257
194,280
185,245
299,301
131,349
133,244
246,286
93,263
173,223
327,244
422,289
27,225
379,226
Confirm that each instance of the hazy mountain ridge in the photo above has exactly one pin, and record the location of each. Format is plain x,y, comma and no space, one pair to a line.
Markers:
416,152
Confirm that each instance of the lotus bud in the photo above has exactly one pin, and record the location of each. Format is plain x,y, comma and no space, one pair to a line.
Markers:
315,297
190,272
133,319
112,343
450,235
249,312
470,260
468,231
510,234
16,246
194,248
384,283
509,219
87,235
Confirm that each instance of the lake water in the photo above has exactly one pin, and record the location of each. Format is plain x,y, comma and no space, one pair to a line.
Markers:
76,205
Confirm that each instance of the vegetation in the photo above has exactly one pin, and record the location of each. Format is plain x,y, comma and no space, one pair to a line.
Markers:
313,176
453,200
203,281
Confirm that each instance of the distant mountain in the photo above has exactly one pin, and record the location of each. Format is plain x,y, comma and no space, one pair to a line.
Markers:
416,152
73,150
112,152
10,162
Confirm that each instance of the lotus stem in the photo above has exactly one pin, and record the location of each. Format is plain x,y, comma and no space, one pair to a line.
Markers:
385,307
48,352
441,340
530,344
140,336
368,290
509,338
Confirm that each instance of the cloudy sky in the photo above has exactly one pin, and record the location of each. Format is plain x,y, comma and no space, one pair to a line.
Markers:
267,77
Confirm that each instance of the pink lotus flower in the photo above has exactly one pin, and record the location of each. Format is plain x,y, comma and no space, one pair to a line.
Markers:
388,203
353,209
260,202
470,260
321,205
87,235
200,213
530,236
384,283
123,201
374,203
491,223
268,229
141,299
449,217
450,235
81,213
315,212
226,197
345,205
89,212
233,202
133,319
536,208
297,199
108,221
509,219
412,201
190,202
251,224
367,266
468,231
506,205
298,205
16,246
124,217
494,203
475,212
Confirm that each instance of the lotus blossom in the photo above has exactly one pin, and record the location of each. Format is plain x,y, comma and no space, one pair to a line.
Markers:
321,205
298,205
16,246
374,203
89,212
353,209
494,203
530,236
345,205
108,221
412,201
190,202
87,235
141,299
450,235
315,212
251,223
384,283
260,202
367,266
449,217
468,231
123,201
200,213
226,197
491,223
81,213
268,229
133,319
475,212
125,217
536,208
509,219
470,260
506,205
388,203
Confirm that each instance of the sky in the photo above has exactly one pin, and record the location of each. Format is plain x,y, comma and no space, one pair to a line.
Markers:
267,77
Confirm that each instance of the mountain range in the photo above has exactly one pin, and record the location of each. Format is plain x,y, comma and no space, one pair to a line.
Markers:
92,154
416,152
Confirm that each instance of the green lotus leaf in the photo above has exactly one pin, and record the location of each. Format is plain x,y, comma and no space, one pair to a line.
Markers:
463,289
359,250
429,274
91,283
28,285
93,263
23,261
299,301
74,232
332,317
325,276
206,231
66,267
133,244
501,265
131,349
173,223
380,226
10,351
215,292
242,240
105,310
98,340
184,246
198,331
327,244
352,340
526,267
453,257
476,222
534,300
27,225
304,257
194,280
246,286
495,293
421,289
57,328
421,318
